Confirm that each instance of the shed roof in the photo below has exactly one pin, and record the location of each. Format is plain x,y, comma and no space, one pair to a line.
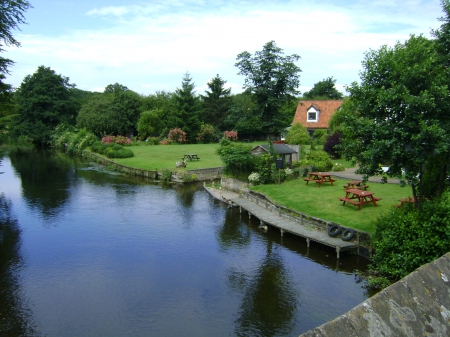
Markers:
278,148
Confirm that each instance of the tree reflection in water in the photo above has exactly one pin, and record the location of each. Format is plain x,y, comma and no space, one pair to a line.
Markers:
270,302
15,316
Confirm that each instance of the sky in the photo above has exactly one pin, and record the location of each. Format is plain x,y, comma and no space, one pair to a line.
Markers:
149,46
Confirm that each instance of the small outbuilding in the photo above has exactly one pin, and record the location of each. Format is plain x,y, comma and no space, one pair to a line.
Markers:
289,153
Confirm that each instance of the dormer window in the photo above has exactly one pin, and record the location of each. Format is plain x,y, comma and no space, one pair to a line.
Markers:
313,115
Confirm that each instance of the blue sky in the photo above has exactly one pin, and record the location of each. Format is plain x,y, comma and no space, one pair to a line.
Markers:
149,45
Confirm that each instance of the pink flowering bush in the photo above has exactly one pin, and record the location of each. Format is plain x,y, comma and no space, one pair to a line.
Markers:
177,135
121,140
231,135
165,141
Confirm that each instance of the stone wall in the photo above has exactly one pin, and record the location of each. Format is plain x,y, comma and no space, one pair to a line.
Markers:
120,168
206,174
213,173
417,305
232,184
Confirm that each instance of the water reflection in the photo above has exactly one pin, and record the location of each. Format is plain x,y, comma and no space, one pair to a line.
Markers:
51,170
232,234
15,315
270,301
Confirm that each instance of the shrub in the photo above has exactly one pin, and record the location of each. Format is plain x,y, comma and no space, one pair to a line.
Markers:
165,141
321,161
177,135
236,157
298,134
254,178
122,140
338,167
111,150
408,237
207,134
231,135
332,145
152,141
166,175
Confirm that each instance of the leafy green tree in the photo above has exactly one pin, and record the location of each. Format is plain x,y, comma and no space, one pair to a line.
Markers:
11,16
165,102
407,238
324,90
150,123
241,116
237,157
188,108
216,103
44,101
115,88
319,137
115,112
128,105
401,115
99,116
273,79
298,134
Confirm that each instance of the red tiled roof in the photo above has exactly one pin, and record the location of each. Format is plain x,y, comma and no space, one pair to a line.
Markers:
326,108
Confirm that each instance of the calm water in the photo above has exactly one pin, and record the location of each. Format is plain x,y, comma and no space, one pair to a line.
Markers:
87,253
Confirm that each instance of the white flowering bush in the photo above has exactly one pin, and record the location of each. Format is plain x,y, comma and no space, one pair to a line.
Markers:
254,178
338,167
288,171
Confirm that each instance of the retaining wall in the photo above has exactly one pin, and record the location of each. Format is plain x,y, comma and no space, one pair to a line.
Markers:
177,176
417,305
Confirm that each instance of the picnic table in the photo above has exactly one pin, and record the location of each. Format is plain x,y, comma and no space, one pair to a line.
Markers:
190,157
358,197
319,178
356,184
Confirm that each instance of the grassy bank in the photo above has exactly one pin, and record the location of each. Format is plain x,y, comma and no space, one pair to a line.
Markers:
161,157
323,202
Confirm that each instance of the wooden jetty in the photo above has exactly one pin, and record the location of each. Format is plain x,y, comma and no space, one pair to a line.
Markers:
267,217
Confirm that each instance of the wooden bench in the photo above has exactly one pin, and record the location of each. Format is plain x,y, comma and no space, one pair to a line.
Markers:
352,201
309,179
190,157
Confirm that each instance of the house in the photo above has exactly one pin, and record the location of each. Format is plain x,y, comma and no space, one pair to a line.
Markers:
316,114
289,153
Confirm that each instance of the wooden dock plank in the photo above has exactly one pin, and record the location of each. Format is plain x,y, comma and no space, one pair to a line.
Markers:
274,220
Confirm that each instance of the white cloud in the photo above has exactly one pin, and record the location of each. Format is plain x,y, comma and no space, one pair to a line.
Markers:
149,47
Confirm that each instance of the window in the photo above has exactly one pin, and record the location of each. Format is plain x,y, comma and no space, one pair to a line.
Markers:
313,115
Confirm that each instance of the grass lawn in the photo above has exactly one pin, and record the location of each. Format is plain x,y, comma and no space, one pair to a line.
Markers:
160,157
321,202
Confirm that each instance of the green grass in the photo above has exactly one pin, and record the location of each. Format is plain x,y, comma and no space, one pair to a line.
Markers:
322,202
160,157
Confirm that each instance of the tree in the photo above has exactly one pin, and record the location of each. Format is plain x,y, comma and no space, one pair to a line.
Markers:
241,117
150,123
99,116
11,15
188,108
216,102
45,100
165,102
324,90
298,134
401,116
273,79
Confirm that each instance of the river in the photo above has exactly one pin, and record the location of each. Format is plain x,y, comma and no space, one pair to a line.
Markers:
85,252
